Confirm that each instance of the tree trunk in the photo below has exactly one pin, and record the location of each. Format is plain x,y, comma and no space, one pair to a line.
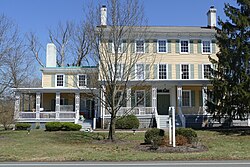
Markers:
111,135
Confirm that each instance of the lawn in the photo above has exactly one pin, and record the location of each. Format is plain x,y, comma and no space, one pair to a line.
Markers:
78,146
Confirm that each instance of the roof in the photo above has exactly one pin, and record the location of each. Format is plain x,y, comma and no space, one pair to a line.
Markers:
181,29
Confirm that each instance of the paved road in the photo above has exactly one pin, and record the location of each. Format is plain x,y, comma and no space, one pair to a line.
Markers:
133,164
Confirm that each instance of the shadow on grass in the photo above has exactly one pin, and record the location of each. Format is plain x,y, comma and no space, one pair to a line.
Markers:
234,130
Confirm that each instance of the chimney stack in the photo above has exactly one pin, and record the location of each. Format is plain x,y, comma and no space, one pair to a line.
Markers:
211,17
51,55
104,16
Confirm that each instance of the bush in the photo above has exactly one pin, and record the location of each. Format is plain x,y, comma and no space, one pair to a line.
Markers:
69,126
127,122
189,133
22,126
152,134
181,140
53,126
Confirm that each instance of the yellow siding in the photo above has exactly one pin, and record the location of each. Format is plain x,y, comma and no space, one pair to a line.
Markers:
46,79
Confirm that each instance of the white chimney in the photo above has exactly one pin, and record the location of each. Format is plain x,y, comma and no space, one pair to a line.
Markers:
103,15
211,17
51,55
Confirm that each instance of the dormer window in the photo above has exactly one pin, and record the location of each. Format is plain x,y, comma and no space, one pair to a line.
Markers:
59,80
82,80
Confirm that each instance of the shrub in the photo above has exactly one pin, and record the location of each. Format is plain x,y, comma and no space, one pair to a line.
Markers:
69,126
189,133
153,133
22,126
127,122
53,126
181,140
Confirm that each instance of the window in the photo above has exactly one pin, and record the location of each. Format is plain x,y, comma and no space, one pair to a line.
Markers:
139,46
186,98
206,47
184,46
119,47
206,71
184,71
162,46
162,71
140,98
82,80
60,80
119,71
139,71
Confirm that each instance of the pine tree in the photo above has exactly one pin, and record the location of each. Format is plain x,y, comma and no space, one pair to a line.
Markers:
230,95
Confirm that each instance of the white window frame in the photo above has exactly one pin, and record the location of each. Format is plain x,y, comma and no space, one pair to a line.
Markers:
144,98
189,71
78,80
63,80
158,51
204,40
158,73
188,46
143,46
203,77
190,98
136,71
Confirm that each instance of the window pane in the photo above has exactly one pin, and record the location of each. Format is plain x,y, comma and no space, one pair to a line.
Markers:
140,71
207,71
140,46
184,46
185,71
185,98
59,79
162,46
140,99
162,71
206,47
82,80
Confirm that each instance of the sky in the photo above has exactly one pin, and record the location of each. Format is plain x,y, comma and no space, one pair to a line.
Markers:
39,15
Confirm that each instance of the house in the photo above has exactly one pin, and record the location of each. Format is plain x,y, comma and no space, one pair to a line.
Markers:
178,76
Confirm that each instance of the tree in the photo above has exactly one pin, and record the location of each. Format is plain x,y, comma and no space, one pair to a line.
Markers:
230,95
113,48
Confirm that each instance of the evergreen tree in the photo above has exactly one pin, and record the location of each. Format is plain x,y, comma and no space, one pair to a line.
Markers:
230,95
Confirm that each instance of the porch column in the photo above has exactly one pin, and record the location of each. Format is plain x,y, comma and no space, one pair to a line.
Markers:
96,112
128,98
77,107
17,106
204,99
179,98
57,105
38,102
102,103
154,97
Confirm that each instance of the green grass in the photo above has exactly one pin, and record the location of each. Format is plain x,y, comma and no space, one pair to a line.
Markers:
79,146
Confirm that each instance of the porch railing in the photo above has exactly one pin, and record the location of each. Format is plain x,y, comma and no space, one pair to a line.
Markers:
67,114
135,111
47,115
28,115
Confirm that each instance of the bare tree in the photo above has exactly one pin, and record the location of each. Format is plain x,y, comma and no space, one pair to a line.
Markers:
114,52
6,113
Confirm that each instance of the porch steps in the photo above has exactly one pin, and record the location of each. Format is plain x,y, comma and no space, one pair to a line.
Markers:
164,123
86,125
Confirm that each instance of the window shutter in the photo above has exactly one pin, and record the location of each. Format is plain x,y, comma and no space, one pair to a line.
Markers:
199,46
132,46
199,71
132,74
213,46
132,98
169,46
124,46
177,46
148,98
177,66
155,71
110,46
169,71
193,98
191,46
66,81
201,98
147,46
52,80
147,69
191,71
155,46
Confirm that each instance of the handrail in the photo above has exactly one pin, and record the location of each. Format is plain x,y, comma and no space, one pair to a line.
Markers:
157,119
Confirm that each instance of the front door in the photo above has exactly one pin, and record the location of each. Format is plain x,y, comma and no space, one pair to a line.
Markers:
163,103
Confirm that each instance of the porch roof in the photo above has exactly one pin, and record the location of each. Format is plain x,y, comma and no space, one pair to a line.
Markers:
54,90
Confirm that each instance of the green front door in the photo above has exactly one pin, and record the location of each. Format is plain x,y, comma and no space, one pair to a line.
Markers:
163,103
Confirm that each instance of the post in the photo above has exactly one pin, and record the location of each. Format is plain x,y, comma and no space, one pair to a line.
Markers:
17,106
170,126
38,102
102,100
57,105
77,107
204,98
154,97
173,116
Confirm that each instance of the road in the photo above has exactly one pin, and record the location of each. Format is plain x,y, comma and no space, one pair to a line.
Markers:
131,164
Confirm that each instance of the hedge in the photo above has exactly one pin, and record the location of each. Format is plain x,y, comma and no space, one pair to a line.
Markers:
64,126
22,126
153,134
127,122
189,133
